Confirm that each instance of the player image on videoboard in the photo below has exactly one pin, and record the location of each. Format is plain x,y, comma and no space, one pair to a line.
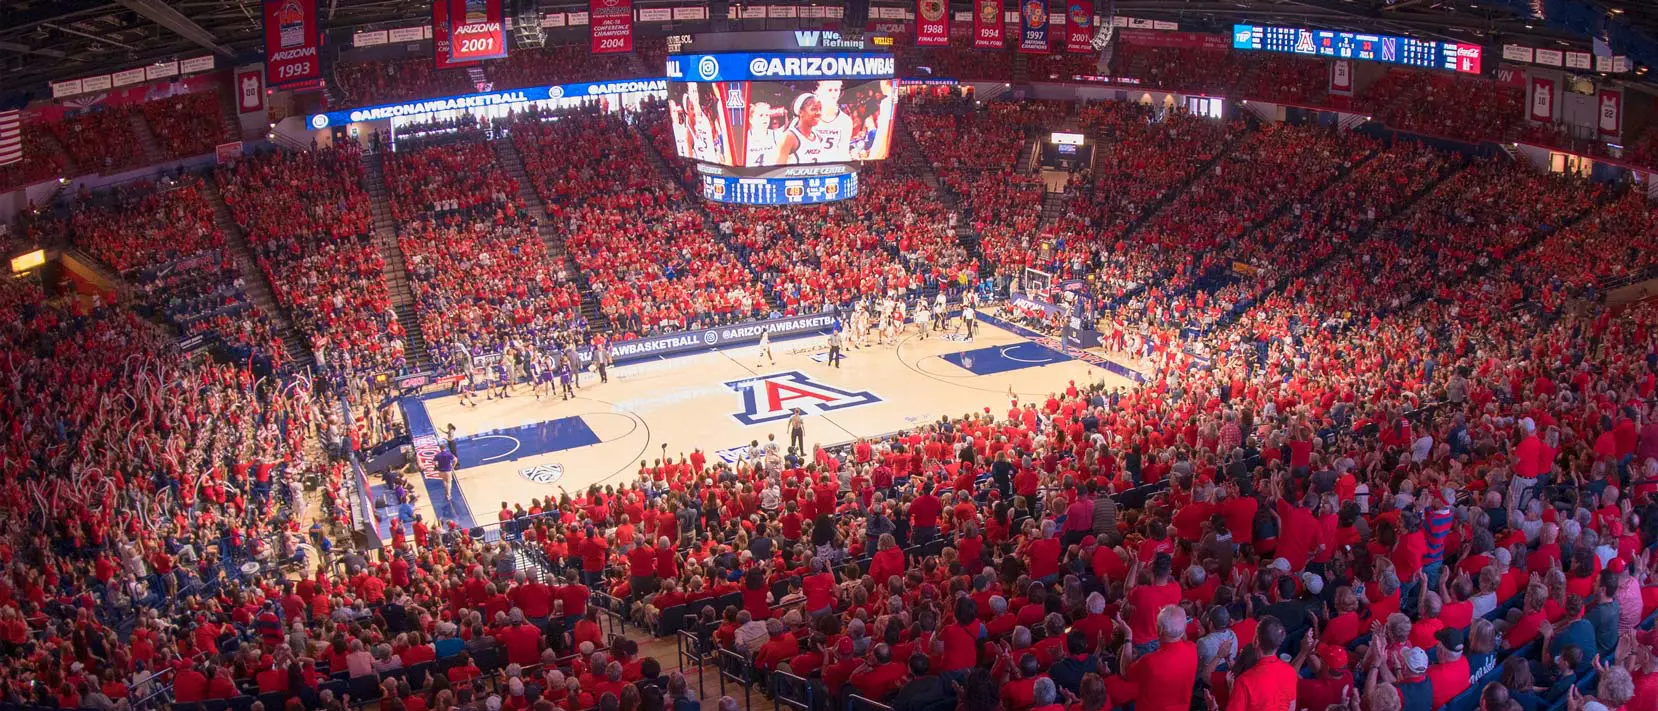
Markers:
827,121
696,111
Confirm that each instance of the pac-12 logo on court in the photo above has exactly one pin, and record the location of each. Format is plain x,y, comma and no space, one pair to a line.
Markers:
774,396
543,473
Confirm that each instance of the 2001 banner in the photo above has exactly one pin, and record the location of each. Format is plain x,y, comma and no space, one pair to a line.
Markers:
1079,26
293,42
611,24
477,30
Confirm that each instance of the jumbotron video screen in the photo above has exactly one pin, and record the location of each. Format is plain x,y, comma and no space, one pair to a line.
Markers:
749,124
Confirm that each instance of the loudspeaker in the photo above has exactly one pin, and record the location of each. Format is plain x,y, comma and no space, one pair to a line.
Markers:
719,11
857,15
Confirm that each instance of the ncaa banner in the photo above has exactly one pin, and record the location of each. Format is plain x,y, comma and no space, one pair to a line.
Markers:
989,28
1079,26
1542,99
1033,27
611,23
1341,77
293,42
477,30
1610,115
932,23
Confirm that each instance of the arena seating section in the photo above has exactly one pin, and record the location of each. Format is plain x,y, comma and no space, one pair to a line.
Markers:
1357,355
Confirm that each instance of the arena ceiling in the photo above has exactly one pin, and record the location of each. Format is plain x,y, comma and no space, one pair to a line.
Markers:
44,40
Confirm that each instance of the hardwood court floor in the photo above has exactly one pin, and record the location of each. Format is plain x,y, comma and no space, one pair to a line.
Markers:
521,448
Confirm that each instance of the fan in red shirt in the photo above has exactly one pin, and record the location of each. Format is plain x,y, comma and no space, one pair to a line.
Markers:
1271,684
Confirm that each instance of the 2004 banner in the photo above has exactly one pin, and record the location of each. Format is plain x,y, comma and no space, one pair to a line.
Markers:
611,24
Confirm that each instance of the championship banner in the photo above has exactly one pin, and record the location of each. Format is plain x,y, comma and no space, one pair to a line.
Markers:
441,57
611,24
1341,77
477,30
1079,26
1542,99
989,29
250,95
932,23
1610,115
293,42
1033,27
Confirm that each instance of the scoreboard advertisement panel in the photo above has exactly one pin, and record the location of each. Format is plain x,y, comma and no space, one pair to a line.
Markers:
1391,49
799,185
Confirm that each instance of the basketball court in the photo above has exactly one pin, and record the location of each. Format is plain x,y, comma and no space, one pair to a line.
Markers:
721,400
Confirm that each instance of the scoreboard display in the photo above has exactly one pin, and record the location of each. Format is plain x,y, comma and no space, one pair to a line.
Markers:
802,186
1391,49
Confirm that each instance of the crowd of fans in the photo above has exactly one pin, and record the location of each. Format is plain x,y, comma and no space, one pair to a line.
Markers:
1449,105
390,81
100,140
310,226
188,124
41,161
647,254
480,271
1406,471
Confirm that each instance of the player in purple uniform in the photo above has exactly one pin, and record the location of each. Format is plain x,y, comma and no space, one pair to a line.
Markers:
566,380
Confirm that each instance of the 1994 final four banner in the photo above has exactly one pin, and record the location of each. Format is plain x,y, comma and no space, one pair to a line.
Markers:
988,25
611,22
932,23
293,42
1033,27
477,30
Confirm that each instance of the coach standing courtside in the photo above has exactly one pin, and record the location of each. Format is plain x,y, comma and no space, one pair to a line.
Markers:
835,348
602,358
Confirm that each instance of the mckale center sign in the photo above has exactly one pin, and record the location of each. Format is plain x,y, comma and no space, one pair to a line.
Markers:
732,335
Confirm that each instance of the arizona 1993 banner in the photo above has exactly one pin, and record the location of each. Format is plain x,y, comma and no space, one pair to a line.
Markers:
477,30
611,22
1033,26
293,42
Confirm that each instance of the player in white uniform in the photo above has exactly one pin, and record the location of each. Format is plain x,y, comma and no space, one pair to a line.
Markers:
834,126
922,319
801,143
765,349
877,137
940,310
762,140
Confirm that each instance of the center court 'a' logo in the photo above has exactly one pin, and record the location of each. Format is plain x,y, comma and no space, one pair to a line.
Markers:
774,396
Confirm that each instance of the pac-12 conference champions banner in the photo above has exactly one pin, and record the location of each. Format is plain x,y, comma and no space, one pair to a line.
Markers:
1033,27
611,23
477,30
293,42
932,23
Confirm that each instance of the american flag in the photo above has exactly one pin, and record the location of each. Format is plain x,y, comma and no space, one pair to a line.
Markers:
11,137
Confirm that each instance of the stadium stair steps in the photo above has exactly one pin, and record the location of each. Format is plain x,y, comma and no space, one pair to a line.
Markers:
396,271
513,164
146,138
296,346
232,121
1053,206
1021,69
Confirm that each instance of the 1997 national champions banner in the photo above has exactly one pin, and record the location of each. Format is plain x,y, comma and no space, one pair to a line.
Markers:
1033,26
293,42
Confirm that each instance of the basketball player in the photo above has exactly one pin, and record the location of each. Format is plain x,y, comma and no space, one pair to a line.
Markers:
922,319
801,142
543,377
940,309
860,322
469,388
566,379
834,126
765,349
968,320
877,137
797,431
762,138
